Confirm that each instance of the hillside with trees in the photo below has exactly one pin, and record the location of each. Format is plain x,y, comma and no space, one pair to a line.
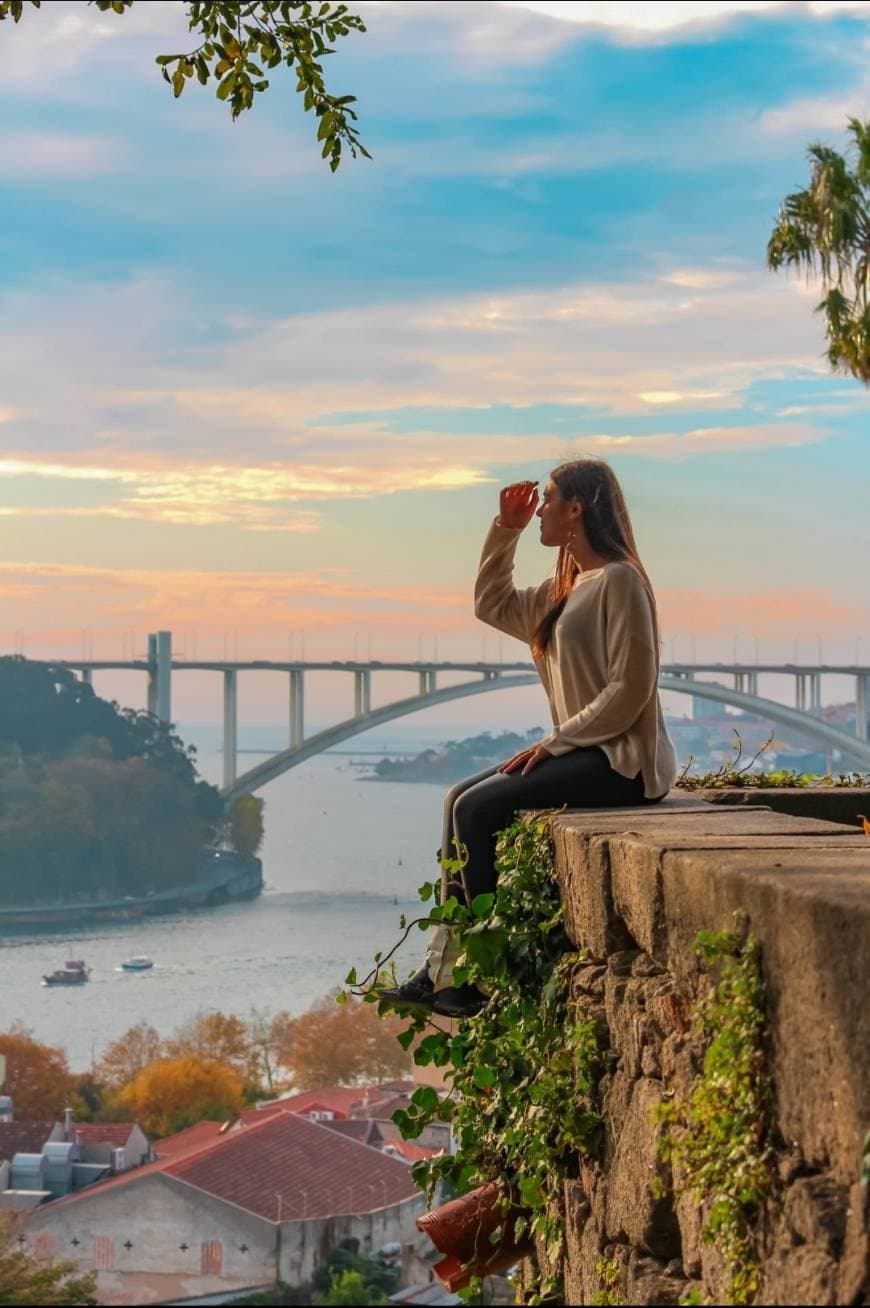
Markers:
456,759
96,802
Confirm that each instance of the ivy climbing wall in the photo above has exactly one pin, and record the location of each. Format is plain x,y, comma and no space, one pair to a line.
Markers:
723,960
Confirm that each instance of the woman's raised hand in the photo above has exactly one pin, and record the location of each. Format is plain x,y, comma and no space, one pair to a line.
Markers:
517,504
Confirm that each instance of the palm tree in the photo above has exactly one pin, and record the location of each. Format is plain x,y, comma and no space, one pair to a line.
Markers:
825,229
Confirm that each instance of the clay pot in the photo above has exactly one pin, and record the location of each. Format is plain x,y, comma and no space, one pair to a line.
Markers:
461,1230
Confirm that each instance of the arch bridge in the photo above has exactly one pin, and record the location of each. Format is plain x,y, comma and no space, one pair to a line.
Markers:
804,717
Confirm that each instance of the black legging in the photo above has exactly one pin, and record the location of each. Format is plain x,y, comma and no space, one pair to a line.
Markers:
478,807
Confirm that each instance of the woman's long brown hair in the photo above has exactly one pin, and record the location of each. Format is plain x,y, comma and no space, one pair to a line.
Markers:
608,530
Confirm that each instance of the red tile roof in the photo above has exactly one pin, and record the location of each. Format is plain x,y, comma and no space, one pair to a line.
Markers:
343,1100
113,1133
338,1099
383,1108
183,1142
361,1129
23,1137
316,1172
411,1151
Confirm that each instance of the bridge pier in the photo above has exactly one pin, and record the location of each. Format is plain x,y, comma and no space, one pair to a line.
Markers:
816,693
862,704
362,694
160,675
297,708
800,691
427,682
231,716
87,676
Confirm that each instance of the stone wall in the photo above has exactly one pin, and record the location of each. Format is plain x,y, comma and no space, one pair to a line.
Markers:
638,885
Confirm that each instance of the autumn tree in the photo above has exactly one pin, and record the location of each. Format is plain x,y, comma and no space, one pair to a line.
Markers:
221,1038
235,40
173,1093
38,1078
25,1279
126,1057
824,231
245,824
336,1044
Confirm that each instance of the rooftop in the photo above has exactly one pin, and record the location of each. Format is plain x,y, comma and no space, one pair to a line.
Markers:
113,1133
283,1167
288,1167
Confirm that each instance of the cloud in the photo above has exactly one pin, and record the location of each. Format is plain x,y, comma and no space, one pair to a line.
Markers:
660,18
264,606
186,418
250,498
35,155
44,49
781,611
268,602
812,115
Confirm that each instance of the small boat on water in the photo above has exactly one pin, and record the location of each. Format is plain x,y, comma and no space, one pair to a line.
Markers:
73,973
138,963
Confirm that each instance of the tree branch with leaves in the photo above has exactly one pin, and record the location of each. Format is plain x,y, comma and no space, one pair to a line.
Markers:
825,231
241,40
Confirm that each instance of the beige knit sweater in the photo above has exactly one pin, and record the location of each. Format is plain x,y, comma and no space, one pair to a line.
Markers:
600,670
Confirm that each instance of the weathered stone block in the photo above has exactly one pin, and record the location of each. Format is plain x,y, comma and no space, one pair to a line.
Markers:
638,885
831,803
634,1213
648,1281
810,911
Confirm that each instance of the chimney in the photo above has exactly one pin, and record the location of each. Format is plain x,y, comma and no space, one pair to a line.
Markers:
119,1159
67,1123
79,1139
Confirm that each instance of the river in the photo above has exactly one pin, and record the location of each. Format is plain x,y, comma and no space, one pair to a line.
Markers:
342,859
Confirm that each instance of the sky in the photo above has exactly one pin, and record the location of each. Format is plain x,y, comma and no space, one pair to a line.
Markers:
270,408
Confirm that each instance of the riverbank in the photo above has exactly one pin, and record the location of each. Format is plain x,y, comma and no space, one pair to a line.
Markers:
223,877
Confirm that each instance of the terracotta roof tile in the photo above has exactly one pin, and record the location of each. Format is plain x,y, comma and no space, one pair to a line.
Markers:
113,1133
411,1151
361,1129
315,1171
338,1099
192,1137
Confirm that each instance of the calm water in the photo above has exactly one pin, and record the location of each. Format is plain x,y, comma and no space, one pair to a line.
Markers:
338,851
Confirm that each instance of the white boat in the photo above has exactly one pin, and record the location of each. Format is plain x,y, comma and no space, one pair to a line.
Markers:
138,963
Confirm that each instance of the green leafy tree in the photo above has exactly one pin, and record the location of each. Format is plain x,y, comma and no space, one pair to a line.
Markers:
238,40
28,1280
825,230
350,1288
95,801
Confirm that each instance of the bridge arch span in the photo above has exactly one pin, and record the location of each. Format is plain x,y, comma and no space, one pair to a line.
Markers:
817,730
822,732
273,767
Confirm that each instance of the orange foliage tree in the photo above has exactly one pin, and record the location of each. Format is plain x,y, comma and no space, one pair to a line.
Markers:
336,1044
38,1078
125,1057
222,1037
173,1093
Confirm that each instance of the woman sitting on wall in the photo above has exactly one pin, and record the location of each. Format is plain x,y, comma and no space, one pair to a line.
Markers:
593,632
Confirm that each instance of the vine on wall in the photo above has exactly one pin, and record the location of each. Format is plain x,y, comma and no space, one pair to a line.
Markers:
522,1075
715,1140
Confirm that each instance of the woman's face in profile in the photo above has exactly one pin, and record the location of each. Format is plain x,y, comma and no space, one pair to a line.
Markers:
558,516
